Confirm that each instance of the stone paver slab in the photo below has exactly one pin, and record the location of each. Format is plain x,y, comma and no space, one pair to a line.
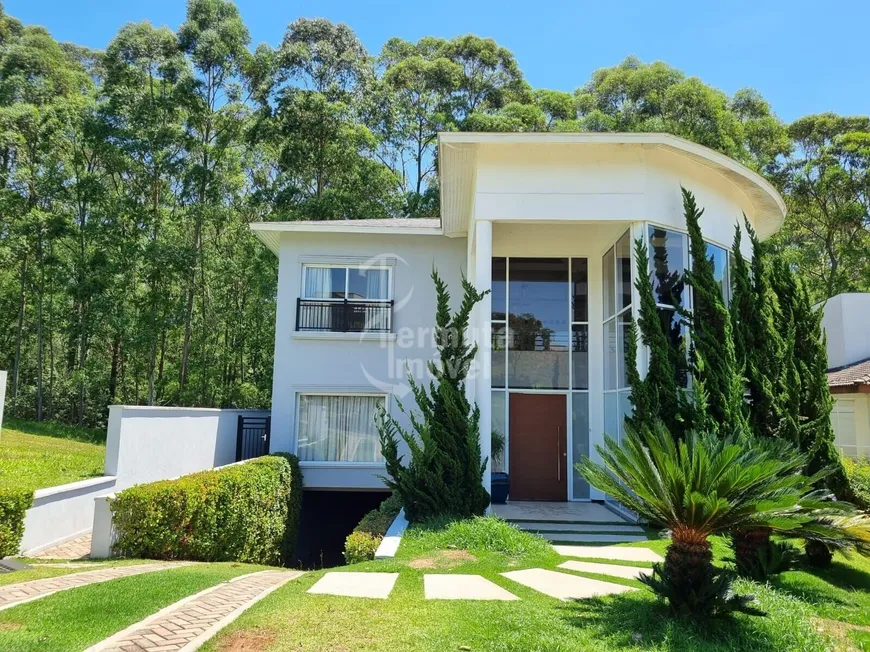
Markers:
463,587
578,527
592,538
15,594
356,585
625,572
562,585
190,622
615,553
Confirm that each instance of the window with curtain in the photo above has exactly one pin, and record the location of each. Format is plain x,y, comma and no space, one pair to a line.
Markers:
338,428
345,299
351,283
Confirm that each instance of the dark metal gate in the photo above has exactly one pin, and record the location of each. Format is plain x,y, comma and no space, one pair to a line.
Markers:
252,438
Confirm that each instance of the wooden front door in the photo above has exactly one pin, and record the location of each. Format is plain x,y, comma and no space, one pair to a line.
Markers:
538,447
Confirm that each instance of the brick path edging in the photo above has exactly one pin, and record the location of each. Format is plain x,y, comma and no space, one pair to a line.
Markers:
155,623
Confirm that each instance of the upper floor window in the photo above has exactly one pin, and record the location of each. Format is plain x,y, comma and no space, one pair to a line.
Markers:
346,299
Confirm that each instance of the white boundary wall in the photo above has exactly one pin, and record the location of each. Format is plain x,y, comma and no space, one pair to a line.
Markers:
143,444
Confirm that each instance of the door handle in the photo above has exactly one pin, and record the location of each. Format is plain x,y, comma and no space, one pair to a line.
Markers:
559,452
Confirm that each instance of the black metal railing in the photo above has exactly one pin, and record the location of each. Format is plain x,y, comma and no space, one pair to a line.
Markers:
343,316
252,437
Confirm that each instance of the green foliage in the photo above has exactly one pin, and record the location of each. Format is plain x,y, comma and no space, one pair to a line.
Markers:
771,558
714,362
858,475
445,473
481,533
13,505
360,546
698,486
247,513
658,394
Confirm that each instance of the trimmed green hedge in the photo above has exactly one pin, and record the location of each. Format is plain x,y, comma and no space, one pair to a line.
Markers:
858,472
362,543
13,504
247,512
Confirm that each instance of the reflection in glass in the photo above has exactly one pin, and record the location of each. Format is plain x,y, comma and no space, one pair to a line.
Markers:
580,294
608,283
719,257
622,350
611,346
498,423
611,416
538,323
674,329
580,436
368,283
624,411
667,264
580,356
499,348
499,288
623,271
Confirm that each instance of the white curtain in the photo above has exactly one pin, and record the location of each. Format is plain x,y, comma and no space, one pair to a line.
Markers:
318,282
338,429
376,283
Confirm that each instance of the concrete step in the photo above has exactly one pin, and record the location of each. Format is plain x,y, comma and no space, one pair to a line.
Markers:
536,526
569,537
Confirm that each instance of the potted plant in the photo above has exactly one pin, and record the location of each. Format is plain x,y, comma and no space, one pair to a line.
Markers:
500,482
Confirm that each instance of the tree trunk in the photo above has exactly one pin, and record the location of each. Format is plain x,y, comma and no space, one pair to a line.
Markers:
688,568
39,327
19,335
818,554
748,543
114,369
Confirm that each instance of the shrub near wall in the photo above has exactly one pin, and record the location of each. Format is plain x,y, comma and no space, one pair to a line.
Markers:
13,505
246,512
363,542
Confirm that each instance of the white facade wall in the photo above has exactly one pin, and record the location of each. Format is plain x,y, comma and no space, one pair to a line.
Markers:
145,444
850,419
351,363
846,318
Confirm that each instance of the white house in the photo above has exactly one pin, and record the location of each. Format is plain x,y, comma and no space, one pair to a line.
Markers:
544,221
846,319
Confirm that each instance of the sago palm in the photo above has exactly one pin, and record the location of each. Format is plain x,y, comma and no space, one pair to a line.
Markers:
697,487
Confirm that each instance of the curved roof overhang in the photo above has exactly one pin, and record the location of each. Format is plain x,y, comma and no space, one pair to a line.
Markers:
458,162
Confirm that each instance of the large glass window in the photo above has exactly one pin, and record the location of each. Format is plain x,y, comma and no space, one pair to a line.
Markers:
617,282
538,329
352,283
580,439
345,299
668,258
338,428
719,257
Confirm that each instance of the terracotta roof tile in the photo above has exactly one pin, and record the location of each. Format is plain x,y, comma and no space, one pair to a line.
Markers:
853,374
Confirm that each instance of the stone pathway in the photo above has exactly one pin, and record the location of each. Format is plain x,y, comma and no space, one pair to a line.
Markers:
356,585
15,594
573,537
578,527
625,572
564,586
613,553
189,623
463,587
76,549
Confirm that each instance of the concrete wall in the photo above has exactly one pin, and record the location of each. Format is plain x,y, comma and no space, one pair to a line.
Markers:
338,362
62,513
145,444
554,184
845,320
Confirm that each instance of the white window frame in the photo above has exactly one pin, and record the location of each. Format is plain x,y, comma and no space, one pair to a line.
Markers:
347,267
300,392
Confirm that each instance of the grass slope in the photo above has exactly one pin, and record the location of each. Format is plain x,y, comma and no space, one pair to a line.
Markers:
38,455
290,619
73,620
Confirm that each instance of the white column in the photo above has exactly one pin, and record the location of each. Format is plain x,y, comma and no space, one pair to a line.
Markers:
483,322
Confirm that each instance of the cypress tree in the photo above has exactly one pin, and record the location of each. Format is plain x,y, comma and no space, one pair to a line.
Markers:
718,383
444,476
657,395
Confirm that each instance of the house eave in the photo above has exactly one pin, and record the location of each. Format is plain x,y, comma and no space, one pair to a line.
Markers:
269,233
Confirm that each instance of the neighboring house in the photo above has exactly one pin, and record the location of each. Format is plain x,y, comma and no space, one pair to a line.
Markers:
846,320
544,221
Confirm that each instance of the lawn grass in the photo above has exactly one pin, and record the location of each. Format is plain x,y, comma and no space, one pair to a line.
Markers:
290,619
38,455
73,620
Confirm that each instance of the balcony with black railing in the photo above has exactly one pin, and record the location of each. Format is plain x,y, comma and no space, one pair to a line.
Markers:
344,316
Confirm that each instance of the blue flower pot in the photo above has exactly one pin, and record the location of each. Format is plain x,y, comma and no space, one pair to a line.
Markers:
500,488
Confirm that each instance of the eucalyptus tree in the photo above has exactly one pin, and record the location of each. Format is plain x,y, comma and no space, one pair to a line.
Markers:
215,40
146,76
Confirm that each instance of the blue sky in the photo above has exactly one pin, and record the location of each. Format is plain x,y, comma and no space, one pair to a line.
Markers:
804,56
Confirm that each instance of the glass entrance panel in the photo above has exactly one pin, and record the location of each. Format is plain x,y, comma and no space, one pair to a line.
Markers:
538,323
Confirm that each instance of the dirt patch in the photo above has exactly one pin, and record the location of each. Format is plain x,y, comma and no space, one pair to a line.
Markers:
839,631
10,627
248,640
442,559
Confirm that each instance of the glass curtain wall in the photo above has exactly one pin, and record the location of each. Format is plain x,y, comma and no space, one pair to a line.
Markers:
540,341
616,295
